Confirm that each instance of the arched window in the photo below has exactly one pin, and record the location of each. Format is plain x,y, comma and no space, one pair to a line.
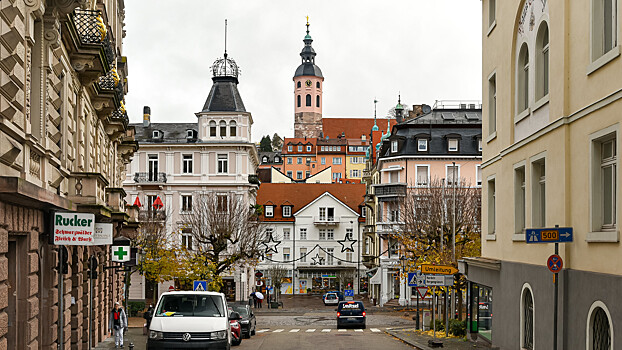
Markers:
317,84
298,85
298,100
264,159
308,100
212,128
277,159
542,44
599,330
223,128
317,101
523,79
233,130
527,317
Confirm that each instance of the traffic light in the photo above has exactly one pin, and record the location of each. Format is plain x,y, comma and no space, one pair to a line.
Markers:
63,263
93,267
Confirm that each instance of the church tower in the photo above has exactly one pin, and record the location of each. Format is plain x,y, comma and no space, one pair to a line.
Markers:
308,85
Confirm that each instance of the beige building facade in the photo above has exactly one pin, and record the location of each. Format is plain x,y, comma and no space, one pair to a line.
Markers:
551,129
64,145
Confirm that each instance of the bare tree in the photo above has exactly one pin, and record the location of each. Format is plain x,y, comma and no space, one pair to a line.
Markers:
344,277
277,273
226,231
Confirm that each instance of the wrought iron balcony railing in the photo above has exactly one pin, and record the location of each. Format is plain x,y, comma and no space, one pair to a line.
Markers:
89,27
120,115
151,215
390,190
150,177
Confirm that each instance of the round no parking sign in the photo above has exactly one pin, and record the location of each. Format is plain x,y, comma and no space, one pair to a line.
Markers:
555,263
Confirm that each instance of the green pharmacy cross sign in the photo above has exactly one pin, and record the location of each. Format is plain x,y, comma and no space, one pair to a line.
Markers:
120,253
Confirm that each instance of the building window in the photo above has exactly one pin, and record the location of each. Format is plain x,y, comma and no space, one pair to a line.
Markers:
222,203
298,85
336,176
277,159
337,161
308,148
264,159
368,247
363,212
492,8
527,320
212,128
538,193
299,148
287,211
491,207
323,160
452,145
298,97
423,175
492,104
542,72
317,101
289,174
422,145
330,252
604,175
355,173
393,146
269,211
349,256
233,130
307,174
322,234
299,175
186,238
153,167
303,233
299,160
223,163
186,203
187,164
523,79
289,148
478,175
223,128
286,234
156,134
599,327
317,84
519,200
289,160
308,98
189,134
451,173
330,234
286,254
303,255
604,27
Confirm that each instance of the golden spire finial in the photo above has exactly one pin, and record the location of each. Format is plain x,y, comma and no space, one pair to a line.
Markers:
307,20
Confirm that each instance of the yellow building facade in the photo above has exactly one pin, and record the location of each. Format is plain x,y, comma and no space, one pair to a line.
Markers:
552,92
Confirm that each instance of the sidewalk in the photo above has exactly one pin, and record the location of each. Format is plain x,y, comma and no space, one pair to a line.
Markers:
420,341
133,336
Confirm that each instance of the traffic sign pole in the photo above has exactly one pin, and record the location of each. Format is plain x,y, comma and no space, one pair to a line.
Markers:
555,301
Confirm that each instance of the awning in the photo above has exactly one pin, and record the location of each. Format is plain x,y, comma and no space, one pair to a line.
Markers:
376,279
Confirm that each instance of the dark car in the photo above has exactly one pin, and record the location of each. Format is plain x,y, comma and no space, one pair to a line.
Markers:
248,321
351,313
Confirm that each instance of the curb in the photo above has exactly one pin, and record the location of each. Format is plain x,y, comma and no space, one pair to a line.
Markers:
409,342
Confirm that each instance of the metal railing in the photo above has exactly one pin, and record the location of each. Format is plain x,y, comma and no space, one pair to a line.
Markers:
390,190
119,115
87,26
151,215
150,177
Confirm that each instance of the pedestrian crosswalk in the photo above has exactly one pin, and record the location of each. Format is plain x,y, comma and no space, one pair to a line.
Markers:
320,330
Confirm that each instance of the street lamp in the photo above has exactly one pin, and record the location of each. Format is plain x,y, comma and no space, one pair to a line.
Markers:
403,262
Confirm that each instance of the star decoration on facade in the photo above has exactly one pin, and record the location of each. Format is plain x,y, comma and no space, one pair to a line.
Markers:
317,259
271,244
347,244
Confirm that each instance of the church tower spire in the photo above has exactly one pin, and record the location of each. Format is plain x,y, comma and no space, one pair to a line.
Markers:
308,84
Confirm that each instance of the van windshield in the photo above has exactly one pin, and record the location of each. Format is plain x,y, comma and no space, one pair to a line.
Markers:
193,305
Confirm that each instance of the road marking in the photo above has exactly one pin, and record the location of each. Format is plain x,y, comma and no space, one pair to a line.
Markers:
376,330
310,330
278,331
263,330
294,330
358,330
326,330
342,330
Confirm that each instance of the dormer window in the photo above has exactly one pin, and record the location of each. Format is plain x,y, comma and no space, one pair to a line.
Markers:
156,134
287,211
452,145
299,148
269,211
264,159
393,146
422,145
277,159
308,148
289,148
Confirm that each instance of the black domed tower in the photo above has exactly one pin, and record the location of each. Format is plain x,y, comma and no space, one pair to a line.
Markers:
308,84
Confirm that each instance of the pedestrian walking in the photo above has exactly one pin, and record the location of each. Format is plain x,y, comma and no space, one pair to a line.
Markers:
259,297
117,323
254,297
147,316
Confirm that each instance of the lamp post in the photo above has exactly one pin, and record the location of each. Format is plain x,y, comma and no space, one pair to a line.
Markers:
403,262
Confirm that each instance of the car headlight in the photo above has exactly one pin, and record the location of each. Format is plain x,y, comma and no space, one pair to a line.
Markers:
218,335
155,335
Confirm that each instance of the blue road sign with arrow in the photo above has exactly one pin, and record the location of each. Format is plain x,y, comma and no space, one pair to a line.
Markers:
416,279
549,235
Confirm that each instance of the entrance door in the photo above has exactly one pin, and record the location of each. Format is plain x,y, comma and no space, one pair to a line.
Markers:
13,291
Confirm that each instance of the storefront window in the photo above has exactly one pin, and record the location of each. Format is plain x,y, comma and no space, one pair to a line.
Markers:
481,310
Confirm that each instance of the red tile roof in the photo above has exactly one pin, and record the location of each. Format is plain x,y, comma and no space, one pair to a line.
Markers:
353,127
300,194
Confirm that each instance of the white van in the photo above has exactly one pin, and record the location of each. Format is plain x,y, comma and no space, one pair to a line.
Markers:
190,320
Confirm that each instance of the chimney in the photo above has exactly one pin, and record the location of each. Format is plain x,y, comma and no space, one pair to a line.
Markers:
146,116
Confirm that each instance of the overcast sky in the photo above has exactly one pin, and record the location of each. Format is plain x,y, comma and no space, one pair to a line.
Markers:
426,49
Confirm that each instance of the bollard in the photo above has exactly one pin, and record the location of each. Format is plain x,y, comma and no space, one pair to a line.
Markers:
131,346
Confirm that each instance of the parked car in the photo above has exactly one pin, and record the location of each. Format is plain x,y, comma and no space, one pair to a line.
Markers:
248,321
339,294
184,319
331,299
351,313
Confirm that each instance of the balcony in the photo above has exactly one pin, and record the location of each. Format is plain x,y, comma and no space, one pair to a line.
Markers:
117,125
326,220
390,191
146,215
150,178
88,190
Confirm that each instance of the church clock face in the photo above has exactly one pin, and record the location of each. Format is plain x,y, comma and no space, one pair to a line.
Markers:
308,82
